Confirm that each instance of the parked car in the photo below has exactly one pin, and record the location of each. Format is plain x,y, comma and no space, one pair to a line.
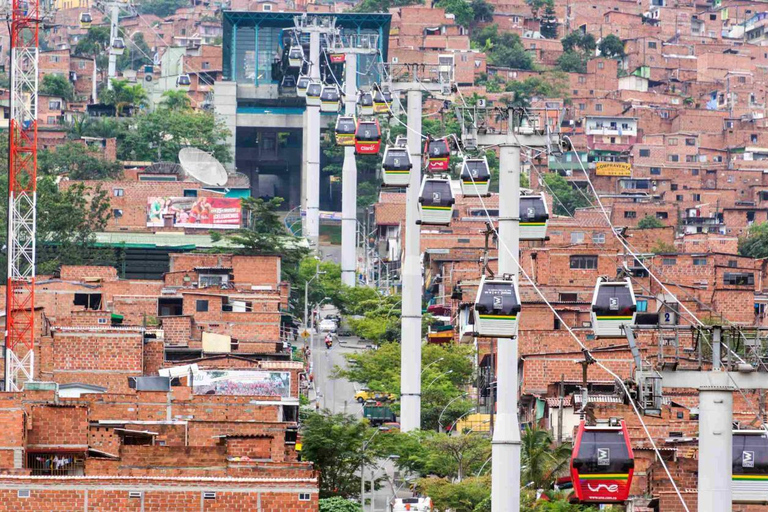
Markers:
365,394
327,325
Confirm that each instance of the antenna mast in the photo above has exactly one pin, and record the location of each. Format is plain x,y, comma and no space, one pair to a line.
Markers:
22,195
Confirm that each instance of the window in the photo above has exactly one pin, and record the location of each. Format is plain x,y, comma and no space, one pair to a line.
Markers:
582,106
81,64
730,179
117,213
630,214
52,120
690,142
584,262
304,496
210,495
598,238
645,152
118,192
600,65
656,171
599,107
679,197
696,197
190,192
266,8
54,105
694,172
201,306
669,262
739,278
713,17
691,158
652,44
742,79
206,65
700,262
750,216
662,215
672,141
569,297
577,237
673,186
673,158
733,263
642,306
753,138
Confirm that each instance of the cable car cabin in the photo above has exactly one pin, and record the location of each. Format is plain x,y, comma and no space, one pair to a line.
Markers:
313,93
288,83
337,58
85,20
602,463
382,101
183,81
346,126
436,201
438,154
367,138
396,167
497,308
301,86
401,141
534,215
330,99
613,305
750,466
475,177
366,104
118,46
295,56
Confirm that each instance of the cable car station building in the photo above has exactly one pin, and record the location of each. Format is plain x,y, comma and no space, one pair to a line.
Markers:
260,108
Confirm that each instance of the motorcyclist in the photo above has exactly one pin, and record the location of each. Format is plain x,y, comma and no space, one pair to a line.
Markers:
328,340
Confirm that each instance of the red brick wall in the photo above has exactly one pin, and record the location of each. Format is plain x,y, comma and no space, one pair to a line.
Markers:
58,425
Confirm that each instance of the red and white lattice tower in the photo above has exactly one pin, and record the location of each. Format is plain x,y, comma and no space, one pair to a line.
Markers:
22,195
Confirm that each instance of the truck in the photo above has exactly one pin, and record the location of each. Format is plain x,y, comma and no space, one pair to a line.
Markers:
377,413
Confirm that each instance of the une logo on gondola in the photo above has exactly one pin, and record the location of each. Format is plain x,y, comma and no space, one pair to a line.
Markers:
498,302
612,488
747,459
603,456
613,304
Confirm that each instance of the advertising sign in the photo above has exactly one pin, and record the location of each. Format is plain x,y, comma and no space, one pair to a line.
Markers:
613,169
194,212
242,382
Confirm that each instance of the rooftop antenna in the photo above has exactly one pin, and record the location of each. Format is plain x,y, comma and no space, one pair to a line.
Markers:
203,166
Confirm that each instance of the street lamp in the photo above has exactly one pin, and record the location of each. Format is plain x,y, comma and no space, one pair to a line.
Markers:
474,409
318,272
440,375
439,418
433,362
362,467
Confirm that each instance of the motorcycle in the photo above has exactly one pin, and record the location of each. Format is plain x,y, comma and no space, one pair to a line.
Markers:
328,342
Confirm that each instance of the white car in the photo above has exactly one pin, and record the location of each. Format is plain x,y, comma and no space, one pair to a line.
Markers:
412,505
327,325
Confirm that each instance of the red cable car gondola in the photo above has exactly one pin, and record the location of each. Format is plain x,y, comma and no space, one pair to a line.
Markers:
438,154
367,137
602,463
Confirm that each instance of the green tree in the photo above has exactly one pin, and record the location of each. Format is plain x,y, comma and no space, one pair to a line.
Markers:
137,54
503,49
611,46
326,284
464,496
461,9
94,45
123,95
579,40
383,5
649,222
75,160
161,8
548,27
335,444
160,135
542,461
754,244
483,11
572,62
175,100
565,193
338,504
57,85
266,234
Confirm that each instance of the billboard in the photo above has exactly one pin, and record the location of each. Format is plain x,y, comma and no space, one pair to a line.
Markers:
194,212
242,382
613,169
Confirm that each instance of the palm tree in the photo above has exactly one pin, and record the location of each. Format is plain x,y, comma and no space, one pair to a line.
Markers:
175,100
542,461
123,95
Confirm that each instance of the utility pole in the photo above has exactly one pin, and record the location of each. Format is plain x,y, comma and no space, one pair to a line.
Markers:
523,128
114,29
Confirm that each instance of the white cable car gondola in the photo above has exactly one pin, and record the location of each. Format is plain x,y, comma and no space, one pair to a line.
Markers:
330,99
301,86
313,93
475,177
750,466
436,201
613,305
345,129
401,142
183,81
396,167
85,20
118,46
366,104
295,56
534,215
497,308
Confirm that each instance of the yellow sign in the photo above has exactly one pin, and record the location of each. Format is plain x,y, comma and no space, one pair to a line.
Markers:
298,447
613,169
305,334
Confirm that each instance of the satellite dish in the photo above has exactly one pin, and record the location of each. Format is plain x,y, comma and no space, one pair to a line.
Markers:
203,167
